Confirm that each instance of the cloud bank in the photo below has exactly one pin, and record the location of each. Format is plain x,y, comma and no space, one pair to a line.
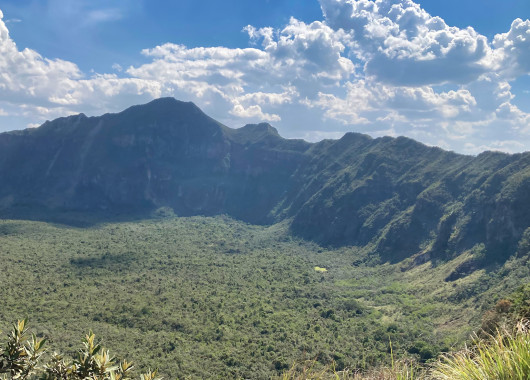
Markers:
383,67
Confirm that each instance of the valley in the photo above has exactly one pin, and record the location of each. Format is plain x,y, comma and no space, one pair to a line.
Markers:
206,297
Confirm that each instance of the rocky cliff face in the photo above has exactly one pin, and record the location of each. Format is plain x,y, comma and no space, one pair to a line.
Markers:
166,153
394,195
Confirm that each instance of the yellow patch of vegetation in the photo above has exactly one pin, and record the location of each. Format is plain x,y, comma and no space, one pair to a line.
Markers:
321,270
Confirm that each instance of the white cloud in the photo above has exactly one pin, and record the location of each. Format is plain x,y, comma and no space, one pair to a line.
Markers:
26,74
313,49
270,98
423,78
401,44
514,49
28,78
315,136
307,56
253,112
375,107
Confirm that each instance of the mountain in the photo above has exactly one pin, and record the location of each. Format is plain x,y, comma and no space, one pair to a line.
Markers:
395,197
165,153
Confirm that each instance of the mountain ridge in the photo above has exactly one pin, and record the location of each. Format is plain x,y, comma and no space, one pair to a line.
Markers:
395,197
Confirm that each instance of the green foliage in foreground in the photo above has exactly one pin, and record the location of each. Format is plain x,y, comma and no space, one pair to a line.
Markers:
503,356
19,359
506,356
508,311
399,370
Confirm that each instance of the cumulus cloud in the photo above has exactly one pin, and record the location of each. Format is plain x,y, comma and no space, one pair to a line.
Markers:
25,73
423,78
306,49
307,56
373,104
401,44
514,49
253,112
28,78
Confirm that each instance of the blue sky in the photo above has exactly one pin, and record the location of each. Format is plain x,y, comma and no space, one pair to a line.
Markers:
449,73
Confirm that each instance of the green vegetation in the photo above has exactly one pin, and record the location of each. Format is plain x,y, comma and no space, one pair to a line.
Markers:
503,356
243,301
506,356
20,359
508,311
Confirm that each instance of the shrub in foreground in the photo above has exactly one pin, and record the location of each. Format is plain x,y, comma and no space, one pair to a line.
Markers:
20,359
505,356
502,356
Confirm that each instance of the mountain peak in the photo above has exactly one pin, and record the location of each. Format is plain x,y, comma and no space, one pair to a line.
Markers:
167,104
255,132
168,101
264,128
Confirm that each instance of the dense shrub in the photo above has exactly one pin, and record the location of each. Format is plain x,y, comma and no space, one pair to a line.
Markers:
19,359
505,356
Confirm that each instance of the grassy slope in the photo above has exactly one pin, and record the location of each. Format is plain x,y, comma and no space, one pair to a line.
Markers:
209,297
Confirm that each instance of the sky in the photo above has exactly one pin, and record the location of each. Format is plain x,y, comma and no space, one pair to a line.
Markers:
451,73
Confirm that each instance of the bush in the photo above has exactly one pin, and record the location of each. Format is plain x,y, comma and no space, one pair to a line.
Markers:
508,312
19,359
505,356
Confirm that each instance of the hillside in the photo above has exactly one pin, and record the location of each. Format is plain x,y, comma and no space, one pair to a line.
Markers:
394,197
